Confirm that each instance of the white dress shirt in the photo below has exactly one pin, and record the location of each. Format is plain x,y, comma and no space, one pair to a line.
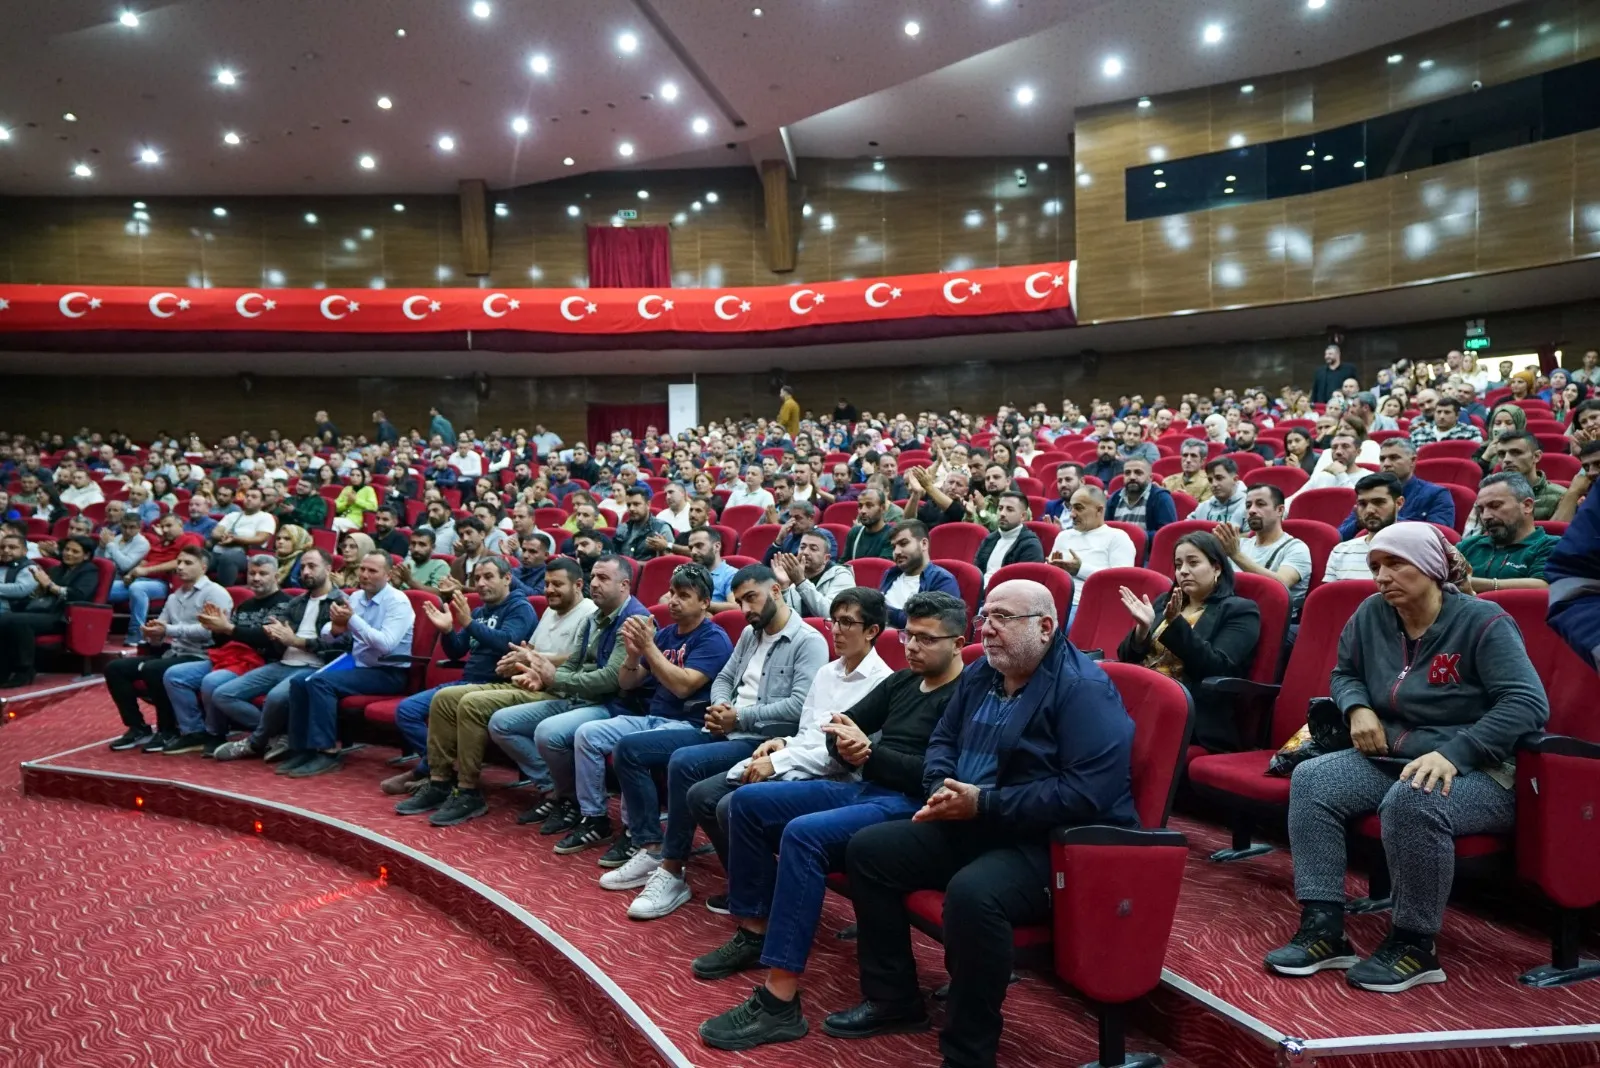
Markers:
833,690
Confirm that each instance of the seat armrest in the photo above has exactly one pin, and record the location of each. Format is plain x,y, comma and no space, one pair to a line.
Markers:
1106,835
447,663
1094,654
88,627
1558,745
1227,686
1557,836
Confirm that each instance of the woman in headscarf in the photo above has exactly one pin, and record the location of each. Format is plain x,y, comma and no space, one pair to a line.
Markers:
354,546
1436,687
1216,426
1505,419
1558,382
291,541
1521,384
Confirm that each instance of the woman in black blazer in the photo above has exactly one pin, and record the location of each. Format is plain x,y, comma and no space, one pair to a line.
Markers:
45,611
1198,630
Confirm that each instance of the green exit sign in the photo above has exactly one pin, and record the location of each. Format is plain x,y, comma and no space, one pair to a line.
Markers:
628,213
1475,344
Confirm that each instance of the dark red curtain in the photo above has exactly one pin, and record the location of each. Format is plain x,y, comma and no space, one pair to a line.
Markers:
604,418
630,257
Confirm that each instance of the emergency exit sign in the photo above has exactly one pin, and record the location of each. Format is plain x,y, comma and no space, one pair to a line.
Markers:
1477,338
628,213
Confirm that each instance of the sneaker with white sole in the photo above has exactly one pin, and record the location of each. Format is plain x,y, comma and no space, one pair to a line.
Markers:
663,893
634,874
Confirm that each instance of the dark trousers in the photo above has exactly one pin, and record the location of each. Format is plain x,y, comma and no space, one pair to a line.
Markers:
124,673
991,885
708,801
19,631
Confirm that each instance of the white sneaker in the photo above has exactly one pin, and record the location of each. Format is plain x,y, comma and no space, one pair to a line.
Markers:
663,892
633,874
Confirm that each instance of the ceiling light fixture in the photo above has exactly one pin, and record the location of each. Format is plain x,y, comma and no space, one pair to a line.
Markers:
913,28
1161,185
1305,166
1227,189
226,77
399,207
1328,158
385,103
572,210
625,149
1396,58
82,170
1144,102
5,134
1316,5
539,64
700,126
1504,24
1025,95
69,117
231,138
805,209
627,42
1247,88
367,163
400,33
129,19
311,218
1426,64
1358,164
447,143
711,198
1157,153
1212,34
1111,67
481,9
680,218
669,91
1159,171
877,164
1043,166
567,161
519,125
1236,141
502,210
644,194
757,12
149,155
221,213
696,206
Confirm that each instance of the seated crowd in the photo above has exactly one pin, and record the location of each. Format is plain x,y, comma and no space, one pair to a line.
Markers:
292,576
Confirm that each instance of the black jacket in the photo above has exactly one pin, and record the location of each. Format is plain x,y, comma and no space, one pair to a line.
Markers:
78,582
250,618
1027,549
327,648
1330,380
1222,643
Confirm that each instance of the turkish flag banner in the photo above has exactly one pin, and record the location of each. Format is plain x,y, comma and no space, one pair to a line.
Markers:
996,291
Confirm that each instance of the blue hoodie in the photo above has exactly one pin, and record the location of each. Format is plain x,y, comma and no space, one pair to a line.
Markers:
1573,572
1425,502
489,635
935,579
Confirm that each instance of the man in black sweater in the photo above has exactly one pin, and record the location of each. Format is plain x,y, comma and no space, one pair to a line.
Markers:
784,837
1330,377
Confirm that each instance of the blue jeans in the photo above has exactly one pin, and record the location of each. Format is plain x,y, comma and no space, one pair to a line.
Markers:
188,687
783,839
593,741
553,737
234,702
688,759
412,720
138,594
314,701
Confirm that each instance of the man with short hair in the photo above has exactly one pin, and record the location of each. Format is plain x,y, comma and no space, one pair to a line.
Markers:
810,578
634,534
431,723
1340,468
1511,552
419,570
186,640
912,572
1520,452
705,549
1446,425
1226,503
1133,443
1089,544
199,521
239,534
1425,501
125,547
869,537
470,552
1027,720
946,500
1582,482
676,513
1069,477
1329,377
1140,503
379,619
310,510
784,837
1379,498
799,519
1267,549
1011,542
1192,478
17,580
750,490
441,526
387,536
82,491
1107,465
533,557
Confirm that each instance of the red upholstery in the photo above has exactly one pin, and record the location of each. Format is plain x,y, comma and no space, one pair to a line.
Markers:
1560,466
545,518
382,710
1045,530
839,531
650,584
1320,539
661,614
1054,579
1184,503
1465,499
1330,504
870,570
1113,913
1288,479
1272,598
757,539
424,635
732,622
1554,442
1166,540
741,517
1167,465
88,624
969,579
729,536
841,512
1136,533
1450,470
956,541
1245,461
825,628
1456,448
1102,622
890,650
1554,527
972,652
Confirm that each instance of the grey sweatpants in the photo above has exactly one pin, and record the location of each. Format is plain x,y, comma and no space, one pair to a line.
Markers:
1418,829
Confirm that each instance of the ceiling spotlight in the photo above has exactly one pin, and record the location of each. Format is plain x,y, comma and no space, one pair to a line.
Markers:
519,125
644,194
502,210
616,220
669,91
367,163
311,218
400,33
1305,166
696,206
567,161
1161,185
1157,153
627,42
1144,101
1212,34
1311,152
368,233
221,213
141,216
625,149
1159,171
149,155
5,134
129,19
756,12
231,138
572,210
1043,166
399,207
700,126
69,117
1395,58
539,64
1328,158
913,28
711,198
1111,67
1025,95
82,170
385,103
1236,141
1426,64
680,218
1358,164
1504,24
805,209
447,143
1231,178
226,77
1227,189
1316,5
481,9
1247,89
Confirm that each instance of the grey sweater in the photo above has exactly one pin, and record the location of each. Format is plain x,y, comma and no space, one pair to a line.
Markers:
1468,691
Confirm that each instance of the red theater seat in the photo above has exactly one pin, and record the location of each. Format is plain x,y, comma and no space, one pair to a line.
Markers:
650,584
870,570
1450,470
1454,449
1102,622
88,624
1166,541
757,539
732,622
1055,579
890,649
1289,480
1330,504
1320,539
956,541
741,517
823,627
968,579
841,512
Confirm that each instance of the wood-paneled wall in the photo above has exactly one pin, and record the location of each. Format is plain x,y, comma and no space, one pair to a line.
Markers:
914,215
1530,205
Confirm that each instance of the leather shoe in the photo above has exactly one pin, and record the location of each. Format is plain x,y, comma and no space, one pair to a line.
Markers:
877,1018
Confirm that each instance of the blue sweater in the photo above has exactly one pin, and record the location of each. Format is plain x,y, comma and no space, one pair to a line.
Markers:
1573,572
1425,502
489,635
935,579
1063,756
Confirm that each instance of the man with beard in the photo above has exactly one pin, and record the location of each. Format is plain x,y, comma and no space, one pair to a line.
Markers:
1379,499
387,536
441,526
587,548
810,578
634,536
1511,553
699,517
420,571
870,536
705,549
912,572
799,519
1425,501
1267,550
1106,465
1011,542
1140,503
1088,544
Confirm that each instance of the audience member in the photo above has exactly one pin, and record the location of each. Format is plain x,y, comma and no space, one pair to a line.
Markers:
912,572
239,534
1106,466
869,538
1520,452
1191,478
1226,503
1268,549
1010,542
1140,503
1510,552
1379,498
811,578
42,609
1424,501
946,500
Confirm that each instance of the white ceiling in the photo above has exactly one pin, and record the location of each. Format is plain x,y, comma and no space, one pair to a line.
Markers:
837,74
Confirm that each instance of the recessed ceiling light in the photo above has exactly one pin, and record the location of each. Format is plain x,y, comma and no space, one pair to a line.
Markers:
1144,102
5,134
1247,89
1231,178
447,143
385,103
481,9
1084,179
1212,34
82,170
757,12
368,233
1025,95
1305,166
139,205
226,77
1227,189
913,28
149,155
616,220
1043,166
1161,185
1316,5
502,210
700,125
680,218
696,206
231,138
128,19
399,207
1358,164
311,218
1395,57
1504,24
141,216
1426,64
625,149
805,209
1157,153
1544,27
367,163
519,125
539,64
1159,171
567,161
69,117
220,213
711,198
1236,141
572,210
644,194
1311,152
627,42
1328,158
400,33
1111,67
669,91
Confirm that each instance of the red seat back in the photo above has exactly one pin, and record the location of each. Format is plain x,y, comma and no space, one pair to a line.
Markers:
1135,533
1560,466
1465,499
1554,442
1181,501
1166,540
732,622
890,650
1453,449
1314,653
650,584
970,581
1330,504
661,614
1167,465
1568,681
1052,578
240,595
1289,480
1272,598
870,570
823,627
741,517
106,574
729,536
1320,539
1102,622
956,541
1450,470
1245,461
756,540
841,512
424,635
544,518
1045,530
1162,717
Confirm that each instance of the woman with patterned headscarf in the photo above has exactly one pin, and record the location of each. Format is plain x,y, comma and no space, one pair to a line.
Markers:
290,542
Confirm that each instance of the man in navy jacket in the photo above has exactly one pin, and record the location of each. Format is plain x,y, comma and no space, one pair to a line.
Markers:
1140,501
1035,737
1424,502
912,573
1573,572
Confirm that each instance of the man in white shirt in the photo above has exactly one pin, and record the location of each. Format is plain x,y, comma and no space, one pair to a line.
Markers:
750,491
1267,550
1378,502
676,513
1336,466
1089,545
466,460
82,491
239,534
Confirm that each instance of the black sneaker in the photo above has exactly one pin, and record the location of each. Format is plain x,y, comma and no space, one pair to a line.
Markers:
620,851
756,1022
1398,965
718,903
317,763
295,758
463,805
213,743
158,742
739,953
1319,944
132,738
589,831
563,819
540,812
871,1018
429,797
192,742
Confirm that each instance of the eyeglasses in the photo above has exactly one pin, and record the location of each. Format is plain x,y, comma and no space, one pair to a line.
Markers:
1002,619
845,624
908,638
